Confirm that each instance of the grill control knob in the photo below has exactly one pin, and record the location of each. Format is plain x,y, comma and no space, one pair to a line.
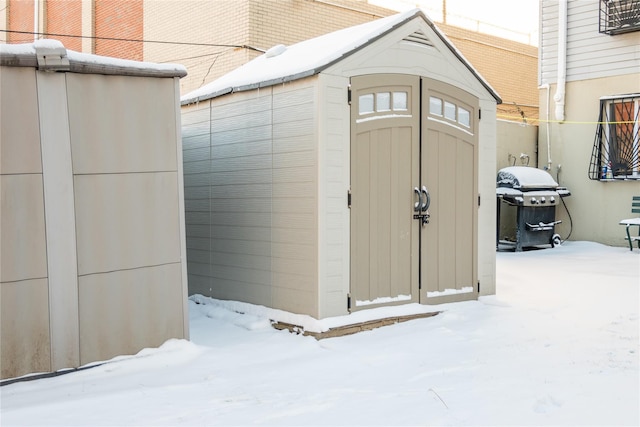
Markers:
534,201
543,200
552,200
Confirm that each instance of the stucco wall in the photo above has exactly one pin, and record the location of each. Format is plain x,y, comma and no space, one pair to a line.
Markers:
595,207
517,144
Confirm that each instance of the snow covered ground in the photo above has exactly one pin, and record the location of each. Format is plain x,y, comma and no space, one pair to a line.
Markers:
558,345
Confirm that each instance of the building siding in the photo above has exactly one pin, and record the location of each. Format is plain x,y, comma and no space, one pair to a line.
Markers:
590,55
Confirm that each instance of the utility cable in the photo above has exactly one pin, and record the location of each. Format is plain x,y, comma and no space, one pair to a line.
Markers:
244,46
566,209
569,122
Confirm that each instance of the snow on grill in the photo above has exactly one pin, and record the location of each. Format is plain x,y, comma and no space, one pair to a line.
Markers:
535,194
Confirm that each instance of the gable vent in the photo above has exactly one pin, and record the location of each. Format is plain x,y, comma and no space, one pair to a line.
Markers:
418,38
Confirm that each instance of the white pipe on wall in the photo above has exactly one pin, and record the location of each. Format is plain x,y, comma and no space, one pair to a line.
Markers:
548,125
559,96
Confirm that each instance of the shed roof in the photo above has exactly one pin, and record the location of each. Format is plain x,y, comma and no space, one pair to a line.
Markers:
282,64
51,55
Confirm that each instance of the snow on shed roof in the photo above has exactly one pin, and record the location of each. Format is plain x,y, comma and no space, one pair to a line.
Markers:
281,64
52,55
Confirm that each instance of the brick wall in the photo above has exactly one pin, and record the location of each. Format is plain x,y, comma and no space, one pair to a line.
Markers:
510,67
257,24
286,22
215,26
122,19
20,18
213,37
65,17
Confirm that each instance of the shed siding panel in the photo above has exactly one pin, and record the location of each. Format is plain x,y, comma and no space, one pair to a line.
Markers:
333,221
590,55
251,198
159,318
129,130
20,148
294,262
227,164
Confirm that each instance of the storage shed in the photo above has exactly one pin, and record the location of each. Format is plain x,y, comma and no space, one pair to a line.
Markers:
92,214
343,173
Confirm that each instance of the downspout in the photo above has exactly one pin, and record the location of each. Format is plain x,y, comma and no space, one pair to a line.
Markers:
562,60
548,124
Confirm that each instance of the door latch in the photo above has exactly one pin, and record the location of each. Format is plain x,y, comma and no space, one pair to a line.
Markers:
423,217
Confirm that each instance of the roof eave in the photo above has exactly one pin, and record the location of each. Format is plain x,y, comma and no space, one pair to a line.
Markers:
243,88
317,70
307,73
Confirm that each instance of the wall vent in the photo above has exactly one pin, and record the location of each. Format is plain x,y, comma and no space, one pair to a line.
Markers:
419,38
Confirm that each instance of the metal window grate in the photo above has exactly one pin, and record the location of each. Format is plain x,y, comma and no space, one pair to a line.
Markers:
616,146
619,16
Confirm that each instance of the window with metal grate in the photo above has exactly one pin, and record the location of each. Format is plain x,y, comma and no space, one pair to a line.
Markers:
619,16
616,147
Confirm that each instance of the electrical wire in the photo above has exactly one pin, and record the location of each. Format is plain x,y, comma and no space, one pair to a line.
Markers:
566,209
209,70
569,122
135,40
193,57
570,219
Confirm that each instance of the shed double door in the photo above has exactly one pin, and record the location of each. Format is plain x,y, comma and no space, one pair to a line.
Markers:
413,191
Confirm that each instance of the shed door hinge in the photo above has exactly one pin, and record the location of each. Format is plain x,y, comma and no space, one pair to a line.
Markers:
349,302
478,286
349,94
349,199
479,113
478,200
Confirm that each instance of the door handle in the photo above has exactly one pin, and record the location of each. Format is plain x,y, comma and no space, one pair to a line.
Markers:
427,199
417,205
421,206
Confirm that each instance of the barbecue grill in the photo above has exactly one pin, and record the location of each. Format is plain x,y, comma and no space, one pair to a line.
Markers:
535,195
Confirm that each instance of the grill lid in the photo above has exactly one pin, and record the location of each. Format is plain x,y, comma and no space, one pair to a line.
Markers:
526,178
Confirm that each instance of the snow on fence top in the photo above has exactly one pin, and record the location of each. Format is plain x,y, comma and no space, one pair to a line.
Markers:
51,55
